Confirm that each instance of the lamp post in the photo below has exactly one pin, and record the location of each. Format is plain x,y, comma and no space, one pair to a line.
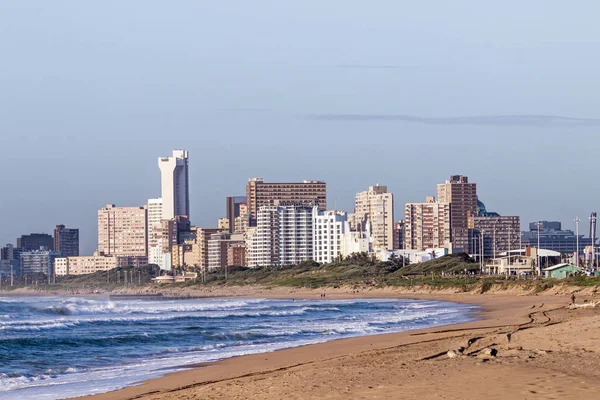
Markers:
577,241
539,266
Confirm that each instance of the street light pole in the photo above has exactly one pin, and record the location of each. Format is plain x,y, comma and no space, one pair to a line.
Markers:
577,241
539,266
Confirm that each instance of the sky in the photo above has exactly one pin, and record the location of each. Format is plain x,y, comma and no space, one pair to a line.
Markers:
355,93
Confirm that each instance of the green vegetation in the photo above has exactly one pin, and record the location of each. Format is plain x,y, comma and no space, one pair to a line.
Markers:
456,271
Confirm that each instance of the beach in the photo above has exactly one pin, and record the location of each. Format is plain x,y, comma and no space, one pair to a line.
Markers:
524,345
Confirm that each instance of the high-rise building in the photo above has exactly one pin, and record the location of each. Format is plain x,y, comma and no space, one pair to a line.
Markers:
38,262
35,241
232,209
154,233
123,230
427,225
223,223
200,250
260,193
283,236
497,234
376,206
219,250
66,240
462,196
175,185
328,235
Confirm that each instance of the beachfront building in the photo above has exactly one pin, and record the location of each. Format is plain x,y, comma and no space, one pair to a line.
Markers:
38,262
427,225
123,230
376,206
283,236
175,185
260,193
328,235
221,251
356,240
82,265
462,197
235,206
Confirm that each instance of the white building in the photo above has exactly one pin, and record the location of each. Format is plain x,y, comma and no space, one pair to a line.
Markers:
175,185
357,241
283,236
375,206
328,235
154,231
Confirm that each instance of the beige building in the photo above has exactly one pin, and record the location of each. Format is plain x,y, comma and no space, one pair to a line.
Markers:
219,246
427,225
82,265
376,206
200,247
123,230
462,195
259,194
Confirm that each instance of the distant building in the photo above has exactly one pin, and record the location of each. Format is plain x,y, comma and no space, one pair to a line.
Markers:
82,265
553,237
328,235
200,249
376,206
154,231
123,230
175,185
283,236
233,210
462,197
260,193
497,234
222,250
399,235
66,241
357,239
35,241
427,225
38,262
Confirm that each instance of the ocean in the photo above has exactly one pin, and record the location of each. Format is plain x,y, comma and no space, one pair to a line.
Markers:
58,347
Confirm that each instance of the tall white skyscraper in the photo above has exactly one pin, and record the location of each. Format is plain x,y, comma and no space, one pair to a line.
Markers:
175,184
154,231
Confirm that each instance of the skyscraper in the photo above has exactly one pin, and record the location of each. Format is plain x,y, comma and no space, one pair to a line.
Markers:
154,231
462,197
376,206
175,185
427,225
123,230
66,241
259,193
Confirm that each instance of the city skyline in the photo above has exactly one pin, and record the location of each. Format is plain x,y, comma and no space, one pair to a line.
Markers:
213,221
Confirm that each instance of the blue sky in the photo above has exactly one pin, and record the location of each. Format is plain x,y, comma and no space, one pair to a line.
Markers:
355,93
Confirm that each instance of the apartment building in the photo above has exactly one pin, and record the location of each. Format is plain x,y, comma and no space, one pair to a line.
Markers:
427,225
328,235
494,235
260,193
175,185
66,241
462,196
123,230
283,236
376,206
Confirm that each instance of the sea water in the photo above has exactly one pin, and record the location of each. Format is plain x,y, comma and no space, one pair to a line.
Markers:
58,347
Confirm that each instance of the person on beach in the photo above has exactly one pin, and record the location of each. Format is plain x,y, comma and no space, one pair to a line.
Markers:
573,298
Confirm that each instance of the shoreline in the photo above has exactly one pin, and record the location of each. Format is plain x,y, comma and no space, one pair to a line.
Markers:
494,311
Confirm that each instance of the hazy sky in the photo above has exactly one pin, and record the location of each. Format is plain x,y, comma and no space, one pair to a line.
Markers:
355,93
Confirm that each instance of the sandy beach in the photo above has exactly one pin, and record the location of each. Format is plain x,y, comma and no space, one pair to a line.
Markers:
524,346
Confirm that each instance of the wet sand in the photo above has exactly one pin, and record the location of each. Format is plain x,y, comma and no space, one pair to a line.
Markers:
553,353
